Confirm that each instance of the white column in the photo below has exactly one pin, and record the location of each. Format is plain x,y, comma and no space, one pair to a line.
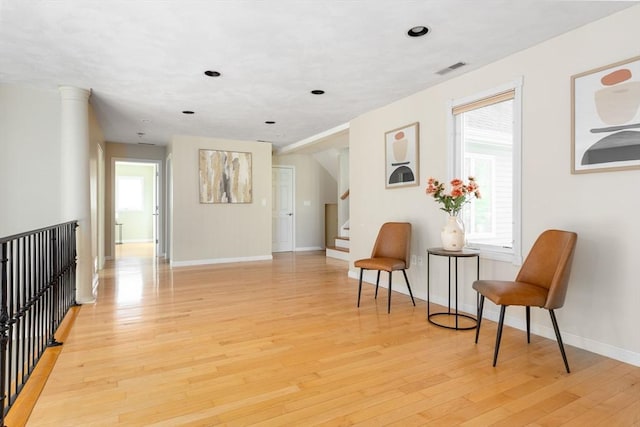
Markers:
75,179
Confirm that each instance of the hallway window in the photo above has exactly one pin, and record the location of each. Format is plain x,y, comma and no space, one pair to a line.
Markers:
130,193
486,145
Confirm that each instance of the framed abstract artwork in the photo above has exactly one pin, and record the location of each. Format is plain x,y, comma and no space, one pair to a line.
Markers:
605,111
225,177
401,156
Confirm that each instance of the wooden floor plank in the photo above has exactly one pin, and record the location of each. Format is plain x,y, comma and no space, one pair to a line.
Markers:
282,343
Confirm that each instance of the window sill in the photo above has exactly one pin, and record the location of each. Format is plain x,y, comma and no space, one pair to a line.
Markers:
496,253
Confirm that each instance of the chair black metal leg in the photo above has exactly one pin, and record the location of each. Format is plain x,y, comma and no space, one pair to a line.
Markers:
360,286
377,282
499,335
559,338
479,316
389,302
409,287
528,310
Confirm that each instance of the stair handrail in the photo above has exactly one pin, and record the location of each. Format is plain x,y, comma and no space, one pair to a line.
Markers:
37,289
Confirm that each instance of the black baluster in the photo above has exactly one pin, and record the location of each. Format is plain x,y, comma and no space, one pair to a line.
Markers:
4,327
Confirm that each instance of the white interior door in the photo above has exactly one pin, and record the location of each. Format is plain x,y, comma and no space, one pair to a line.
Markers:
283,203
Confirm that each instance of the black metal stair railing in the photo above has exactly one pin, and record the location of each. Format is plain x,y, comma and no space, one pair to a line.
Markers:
37,288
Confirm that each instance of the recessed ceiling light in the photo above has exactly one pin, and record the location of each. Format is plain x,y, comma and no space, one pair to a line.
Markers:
270,122
317,92
212,73
188,112
418,31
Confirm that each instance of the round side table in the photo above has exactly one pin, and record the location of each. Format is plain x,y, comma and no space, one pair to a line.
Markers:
453,257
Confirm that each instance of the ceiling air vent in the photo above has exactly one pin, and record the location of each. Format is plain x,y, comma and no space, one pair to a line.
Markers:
451,68
145,143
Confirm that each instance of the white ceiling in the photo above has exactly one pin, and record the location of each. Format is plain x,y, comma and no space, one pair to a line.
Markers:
144,60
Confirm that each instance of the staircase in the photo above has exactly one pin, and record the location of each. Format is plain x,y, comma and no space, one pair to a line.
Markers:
340,250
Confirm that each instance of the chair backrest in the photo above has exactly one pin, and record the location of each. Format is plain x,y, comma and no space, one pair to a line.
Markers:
549,264
393,241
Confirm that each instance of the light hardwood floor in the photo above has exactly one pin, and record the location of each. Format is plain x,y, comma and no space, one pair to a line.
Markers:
282,343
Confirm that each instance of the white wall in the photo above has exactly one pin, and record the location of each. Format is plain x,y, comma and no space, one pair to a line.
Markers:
30,168
215,233
29,159
601,311
315,186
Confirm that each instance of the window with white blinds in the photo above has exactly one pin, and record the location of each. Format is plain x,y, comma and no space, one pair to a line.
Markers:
486,145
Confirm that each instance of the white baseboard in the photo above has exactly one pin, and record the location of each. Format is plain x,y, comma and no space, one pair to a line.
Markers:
111,258
310,248
190,263
518,322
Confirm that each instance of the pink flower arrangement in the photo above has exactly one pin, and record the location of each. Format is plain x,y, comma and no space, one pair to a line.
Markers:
455,199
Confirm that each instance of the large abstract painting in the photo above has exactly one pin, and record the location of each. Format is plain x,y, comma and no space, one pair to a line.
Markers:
606,118
225,177
401,156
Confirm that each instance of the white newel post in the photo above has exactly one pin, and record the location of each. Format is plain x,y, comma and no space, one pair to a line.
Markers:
75,178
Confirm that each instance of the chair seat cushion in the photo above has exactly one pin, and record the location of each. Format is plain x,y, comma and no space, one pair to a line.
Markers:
386,264
512,293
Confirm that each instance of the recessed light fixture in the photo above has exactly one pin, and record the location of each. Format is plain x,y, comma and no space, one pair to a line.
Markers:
418,31
270,122
211,73
317,92
188,112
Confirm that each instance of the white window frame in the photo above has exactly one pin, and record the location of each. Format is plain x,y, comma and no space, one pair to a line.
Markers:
454,152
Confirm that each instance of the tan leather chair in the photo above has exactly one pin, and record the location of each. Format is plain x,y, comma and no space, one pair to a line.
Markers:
541,282
391,252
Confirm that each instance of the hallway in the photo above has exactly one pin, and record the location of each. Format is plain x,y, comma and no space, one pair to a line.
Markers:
282,343
134,251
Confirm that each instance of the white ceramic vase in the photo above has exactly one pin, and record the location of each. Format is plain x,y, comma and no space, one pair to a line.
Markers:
452,234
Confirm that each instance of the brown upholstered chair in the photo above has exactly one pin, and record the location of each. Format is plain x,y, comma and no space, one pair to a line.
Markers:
541,282
391,252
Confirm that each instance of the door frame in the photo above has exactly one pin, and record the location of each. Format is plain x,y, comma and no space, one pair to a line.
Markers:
168,237
160,202
101,208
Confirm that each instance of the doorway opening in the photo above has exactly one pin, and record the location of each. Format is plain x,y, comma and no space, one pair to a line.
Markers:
137,209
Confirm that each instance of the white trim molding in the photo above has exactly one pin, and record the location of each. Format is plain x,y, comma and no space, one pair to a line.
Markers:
194,262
